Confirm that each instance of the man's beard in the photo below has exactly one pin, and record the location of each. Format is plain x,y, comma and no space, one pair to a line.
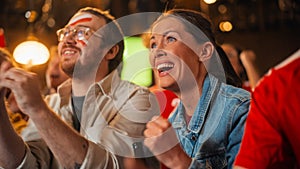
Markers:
79,71
68,69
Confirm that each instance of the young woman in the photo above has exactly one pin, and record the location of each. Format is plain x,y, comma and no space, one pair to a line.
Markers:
206,129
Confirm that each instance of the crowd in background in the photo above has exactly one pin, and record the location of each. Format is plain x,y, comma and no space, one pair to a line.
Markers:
207,106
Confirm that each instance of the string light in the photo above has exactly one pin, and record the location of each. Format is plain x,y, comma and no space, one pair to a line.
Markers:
225,26
210,1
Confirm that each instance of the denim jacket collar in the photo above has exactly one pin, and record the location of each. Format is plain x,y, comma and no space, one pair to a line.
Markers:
197,121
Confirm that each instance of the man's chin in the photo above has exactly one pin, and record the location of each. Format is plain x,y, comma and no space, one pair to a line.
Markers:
68,69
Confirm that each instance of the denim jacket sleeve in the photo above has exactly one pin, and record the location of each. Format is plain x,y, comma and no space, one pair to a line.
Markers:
237,131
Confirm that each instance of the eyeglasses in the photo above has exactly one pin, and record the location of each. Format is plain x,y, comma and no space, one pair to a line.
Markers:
80,33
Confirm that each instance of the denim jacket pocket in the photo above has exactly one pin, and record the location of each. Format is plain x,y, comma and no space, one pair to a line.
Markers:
213,160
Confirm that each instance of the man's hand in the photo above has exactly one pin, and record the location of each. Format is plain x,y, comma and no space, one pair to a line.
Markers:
4,67
24,85
248,57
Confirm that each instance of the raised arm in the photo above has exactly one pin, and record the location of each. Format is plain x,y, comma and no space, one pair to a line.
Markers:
68,147
248,58
12,147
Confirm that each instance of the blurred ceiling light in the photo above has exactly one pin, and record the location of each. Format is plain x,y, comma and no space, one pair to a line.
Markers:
31,53
222,9
51,22
225,26
210,1
31,16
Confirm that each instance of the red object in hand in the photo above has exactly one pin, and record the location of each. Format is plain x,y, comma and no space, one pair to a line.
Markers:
166,99
167,103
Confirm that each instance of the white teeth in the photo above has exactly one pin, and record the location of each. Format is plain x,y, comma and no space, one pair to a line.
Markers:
165,65
67,52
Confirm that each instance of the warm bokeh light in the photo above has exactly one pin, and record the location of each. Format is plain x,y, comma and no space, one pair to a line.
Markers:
31,53
225,26
222,9
210,1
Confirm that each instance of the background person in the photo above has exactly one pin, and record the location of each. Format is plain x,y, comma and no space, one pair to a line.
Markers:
54,73
243,63
272,133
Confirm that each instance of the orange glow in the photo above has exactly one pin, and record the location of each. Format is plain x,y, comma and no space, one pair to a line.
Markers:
225,26
31,53
210,1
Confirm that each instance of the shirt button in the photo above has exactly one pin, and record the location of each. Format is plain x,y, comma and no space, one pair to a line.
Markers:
194,138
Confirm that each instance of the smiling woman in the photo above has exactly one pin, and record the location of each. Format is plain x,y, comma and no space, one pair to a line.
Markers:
205,130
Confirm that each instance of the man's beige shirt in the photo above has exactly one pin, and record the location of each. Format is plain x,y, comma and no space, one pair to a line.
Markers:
114,116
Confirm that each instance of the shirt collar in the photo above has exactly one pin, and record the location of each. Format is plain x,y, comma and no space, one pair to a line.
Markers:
105,86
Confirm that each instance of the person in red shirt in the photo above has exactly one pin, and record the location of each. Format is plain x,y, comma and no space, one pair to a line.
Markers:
272,132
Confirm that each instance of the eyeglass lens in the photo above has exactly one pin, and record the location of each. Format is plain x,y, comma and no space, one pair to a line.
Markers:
79,33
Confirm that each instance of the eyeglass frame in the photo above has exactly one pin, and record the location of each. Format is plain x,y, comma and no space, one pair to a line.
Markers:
75,33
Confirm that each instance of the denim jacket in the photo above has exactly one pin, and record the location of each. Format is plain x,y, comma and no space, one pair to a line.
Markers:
213,136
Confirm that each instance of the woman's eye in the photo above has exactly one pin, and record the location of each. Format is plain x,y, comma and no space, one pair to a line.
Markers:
171,39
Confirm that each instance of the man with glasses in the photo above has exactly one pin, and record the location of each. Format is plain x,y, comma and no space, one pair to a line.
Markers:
98,117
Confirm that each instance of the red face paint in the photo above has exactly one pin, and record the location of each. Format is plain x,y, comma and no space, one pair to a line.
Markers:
80,18
84,42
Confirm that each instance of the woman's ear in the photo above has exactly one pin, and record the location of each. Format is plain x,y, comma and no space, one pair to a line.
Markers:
206,51
111,54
